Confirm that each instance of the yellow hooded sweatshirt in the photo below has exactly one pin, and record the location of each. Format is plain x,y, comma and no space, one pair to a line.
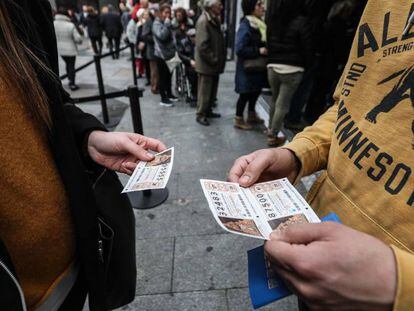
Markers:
365,142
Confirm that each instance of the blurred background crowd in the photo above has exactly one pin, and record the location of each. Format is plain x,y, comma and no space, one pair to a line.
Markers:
291,50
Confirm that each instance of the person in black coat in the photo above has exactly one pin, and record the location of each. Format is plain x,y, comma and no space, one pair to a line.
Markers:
250,44
111,24
290,53
93,24
78,143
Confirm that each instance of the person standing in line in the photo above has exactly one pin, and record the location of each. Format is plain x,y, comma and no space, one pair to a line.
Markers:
181,24
111,24
290,52
68,37
94,30
250,44
125,16
148,39
210,58
164,44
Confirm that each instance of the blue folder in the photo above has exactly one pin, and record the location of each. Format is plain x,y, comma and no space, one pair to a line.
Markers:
264,290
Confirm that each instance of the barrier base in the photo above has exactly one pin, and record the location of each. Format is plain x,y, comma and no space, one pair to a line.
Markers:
148,199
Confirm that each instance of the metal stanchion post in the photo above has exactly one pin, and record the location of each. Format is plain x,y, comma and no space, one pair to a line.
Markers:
148,198
101,88
134,67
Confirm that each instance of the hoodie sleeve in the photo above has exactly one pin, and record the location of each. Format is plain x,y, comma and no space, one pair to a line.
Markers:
404,299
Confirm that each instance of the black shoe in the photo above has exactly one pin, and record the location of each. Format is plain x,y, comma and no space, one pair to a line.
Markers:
73,87
213,115
193,104
203,121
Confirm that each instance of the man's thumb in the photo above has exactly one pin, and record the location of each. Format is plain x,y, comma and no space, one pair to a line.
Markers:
253,172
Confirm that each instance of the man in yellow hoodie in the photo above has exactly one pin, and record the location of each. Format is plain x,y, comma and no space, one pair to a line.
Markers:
365,146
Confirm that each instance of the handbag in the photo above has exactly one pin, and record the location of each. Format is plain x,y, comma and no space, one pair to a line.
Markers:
116,245
255,65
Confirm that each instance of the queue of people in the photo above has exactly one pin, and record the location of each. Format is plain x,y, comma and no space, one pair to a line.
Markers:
293,52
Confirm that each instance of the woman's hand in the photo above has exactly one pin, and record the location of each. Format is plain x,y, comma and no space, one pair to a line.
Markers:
120,151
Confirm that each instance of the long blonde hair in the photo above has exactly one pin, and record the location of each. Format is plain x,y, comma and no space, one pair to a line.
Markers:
16,62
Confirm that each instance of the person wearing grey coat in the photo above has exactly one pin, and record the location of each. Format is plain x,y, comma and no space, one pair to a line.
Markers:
68,37
210,58
164,45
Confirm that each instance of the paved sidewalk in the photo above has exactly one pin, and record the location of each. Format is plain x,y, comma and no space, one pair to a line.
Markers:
185,260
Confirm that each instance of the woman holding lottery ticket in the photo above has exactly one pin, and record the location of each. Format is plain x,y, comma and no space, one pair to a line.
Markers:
51,253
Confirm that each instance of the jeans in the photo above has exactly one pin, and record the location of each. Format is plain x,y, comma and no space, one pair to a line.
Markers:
70,68
283,87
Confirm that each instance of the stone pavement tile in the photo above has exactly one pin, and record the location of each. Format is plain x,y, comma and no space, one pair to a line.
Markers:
154,265
190,301
178,218
211,262
239,300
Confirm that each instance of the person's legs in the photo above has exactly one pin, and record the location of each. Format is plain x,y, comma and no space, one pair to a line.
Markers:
274,83
239,119
252,117
164,80
94,42
117,46
147,70
253,100
205,88
111,45
100,45
154,76
70,70
213,97
288,86
241,104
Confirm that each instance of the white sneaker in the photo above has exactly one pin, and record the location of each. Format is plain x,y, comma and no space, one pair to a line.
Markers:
166,103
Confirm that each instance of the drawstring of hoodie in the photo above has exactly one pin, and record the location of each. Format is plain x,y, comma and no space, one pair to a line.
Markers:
409,24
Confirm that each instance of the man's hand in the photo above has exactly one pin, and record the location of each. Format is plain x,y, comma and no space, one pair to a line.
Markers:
264,165
192,63
333,267
120,151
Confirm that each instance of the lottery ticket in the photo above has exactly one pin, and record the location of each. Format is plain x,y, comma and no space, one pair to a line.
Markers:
258,210
153,174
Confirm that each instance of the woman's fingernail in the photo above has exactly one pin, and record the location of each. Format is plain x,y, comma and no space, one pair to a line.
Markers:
245,178
150,155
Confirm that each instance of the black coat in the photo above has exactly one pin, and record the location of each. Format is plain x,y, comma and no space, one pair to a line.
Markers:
93,24
111,24
70,127
293,45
